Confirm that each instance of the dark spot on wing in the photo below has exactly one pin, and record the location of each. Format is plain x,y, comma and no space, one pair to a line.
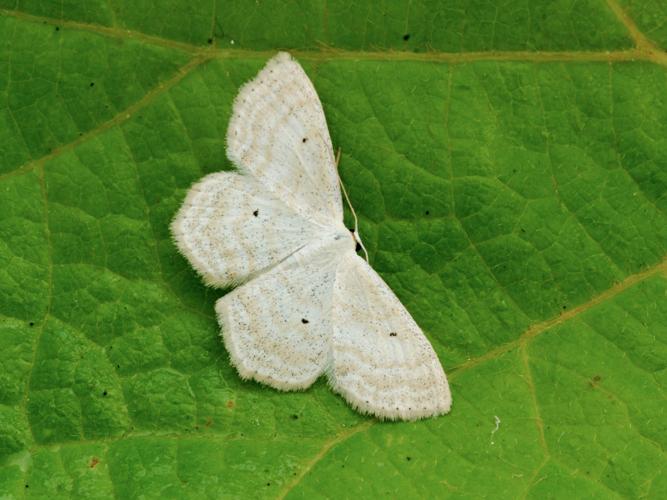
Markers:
393,334
304,321
358,247
256,213
304,140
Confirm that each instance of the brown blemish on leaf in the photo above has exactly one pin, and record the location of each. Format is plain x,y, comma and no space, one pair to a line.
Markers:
595,381
93,462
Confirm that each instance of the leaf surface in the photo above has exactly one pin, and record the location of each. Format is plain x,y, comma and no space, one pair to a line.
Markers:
507,161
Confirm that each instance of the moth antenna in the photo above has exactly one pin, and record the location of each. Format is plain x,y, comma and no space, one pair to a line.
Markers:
349,204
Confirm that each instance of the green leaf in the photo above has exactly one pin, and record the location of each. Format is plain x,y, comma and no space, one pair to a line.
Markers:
649,17
507,160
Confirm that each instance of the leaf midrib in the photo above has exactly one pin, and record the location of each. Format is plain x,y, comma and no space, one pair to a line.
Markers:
644,49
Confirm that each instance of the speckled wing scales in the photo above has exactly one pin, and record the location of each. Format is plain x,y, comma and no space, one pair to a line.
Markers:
381,361
229,228
277,327
278,134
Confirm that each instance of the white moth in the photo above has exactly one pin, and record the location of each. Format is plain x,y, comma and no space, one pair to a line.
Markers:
307,304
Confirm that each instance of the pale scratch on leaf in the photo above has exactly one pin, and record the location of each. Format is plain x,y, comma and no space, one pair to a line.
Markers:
495,429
